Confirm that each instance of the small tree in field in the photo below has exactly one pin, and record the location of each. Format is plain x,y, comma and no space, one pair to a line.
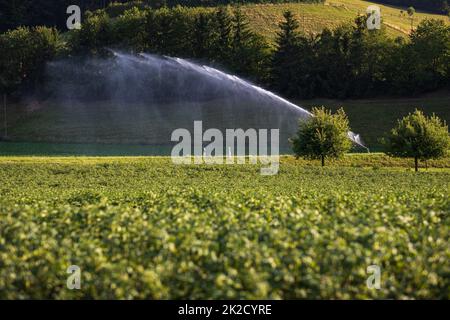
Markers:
411,11
325,135
419,137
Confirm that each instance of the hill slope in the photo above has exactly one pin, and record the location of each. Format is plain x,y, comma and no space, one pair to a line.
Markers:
264,18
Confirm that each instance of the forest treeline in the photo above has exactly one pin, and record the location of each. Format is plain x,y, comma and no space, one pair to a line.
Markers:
349,61
52,13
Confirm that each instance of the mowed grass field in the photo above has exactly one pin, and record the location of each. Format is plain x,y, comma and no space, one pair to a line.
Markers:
313,18
374,118
98,133
142,227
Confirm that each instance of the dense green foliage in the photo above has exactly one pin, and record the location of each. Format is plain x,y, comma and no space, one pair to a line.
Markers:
221,36
144,228
284,71
419,137
323,136
354,61
349,61
24,52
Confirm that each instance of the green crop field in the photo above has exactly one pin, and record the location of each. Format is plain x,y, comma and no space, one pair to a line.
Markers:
144,228
86,181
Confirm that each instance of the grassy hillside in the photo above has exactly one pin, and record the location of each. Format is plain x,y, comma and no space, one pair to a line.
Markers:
313,17
265,18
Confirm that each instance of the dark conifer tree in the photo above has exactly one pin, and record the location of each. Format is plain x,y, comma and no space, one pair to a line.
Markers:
249,51
284,64
202,36
224,28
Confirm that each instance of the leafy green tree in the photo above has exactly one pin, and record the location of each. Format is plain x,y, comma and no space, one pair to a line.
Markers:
430,49
411,11
419,137
423,63
24,52
331,59
170,31
15,58
129,29
325,135
369,52
96,33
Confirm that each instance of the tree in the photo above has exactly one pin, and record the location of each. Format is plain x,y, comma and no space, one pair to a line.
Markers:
423,63
24,52
411,11
285,58
241,32
446,8
96,33
129,29
201,41
369,51
325,135
419,137
250,52
430,47
224,27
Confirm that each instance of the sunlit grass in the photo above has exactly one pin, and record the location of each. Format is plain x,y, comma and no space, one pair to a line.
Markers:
264,18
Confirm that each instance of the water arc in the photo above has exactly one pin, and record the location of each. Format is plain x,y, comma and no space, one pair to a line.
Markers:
143,98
